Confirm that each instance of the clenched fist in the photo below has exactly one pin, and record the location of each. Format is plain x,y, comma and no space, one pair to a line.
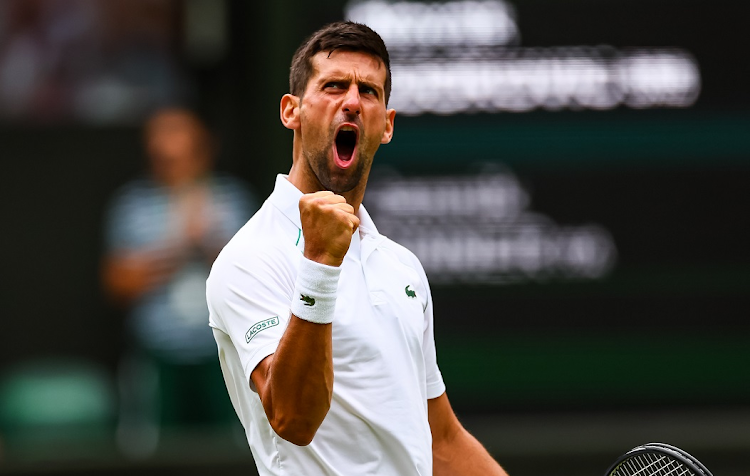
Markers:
328,223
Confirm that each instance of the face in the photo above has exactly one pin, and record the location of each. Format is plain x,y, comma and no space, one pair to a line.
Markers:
176,149
340,122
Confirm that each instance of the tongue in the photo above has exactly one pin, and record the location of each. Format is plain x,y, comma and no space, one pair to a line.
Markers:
344,151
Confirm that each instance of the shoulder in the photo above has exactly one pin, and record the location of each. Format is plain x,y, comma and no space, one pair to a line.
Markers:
131,205
137,187
135,190
229,188
223,182
265,248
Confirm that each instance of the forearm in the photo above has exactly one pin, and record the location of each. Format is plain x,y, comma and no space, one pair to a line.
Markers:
298,384
295,384
127,278
129,274
454,451
463,455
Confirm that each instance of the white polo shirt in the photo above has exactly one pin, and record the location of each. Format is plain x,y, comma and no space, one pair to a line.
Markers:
384,361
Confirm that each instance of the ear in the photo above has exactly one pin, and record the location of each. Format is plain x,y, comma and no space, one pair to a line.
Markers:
390,116
289,111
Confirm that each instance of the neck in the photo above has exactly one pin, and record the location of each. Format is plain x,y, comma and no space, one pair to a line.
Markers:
303,177
353,197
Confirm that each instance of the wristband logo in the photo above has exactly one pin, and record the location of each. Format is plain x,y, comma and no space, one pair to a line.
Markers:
409,292
261,326
307,300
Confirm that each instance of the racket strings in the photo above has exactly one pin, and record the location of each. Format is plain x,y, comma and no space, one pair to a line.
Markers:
649,464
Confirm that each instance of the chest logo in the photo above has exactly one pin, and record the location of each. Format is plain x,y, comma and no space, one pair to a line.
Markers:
409,292
261,326
309,301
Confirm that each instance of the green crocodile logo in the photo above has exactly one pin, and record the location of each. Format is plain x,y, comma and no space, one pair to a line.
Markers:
307,300
409,292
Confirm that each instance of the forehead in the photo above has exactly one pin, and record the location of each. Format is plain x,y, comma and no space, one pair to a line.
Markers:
171,120
349,64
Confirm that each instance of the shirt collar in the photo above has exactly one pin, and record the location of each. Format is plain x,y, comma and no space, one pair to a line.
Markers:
286,197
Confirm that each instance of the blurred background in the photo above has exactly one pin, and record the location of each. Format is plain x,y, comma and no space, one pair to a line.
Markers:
573,176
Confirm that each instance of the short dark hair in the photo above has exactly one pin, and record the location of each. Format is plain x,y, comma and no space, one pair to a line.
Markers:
342,35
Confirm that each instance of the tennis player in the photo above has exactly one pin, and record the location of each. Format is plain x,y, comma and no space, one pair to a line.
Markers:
324,326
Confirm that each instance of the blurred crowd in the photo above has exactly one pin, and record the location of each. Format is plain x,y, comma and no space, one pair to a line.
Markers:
96,62
163,231
118,62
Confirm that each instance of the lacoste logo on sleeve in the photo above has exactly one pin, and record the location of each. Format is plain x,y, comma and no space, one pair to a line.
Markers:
409,292
261,326
309,301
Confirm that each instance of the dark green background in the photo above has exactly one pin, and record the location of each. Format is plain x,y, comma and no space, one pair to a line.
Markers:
667,327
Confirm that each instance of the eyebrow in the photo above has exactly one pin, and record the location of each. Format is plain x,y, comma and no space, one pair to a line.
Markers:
347,78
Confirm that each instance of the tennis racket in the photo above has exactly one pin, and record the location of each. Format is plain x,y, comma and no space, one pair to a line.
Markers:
657,459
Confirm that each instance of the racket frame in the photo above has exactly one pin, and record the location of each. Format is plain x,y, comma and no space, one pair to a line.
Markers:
663,449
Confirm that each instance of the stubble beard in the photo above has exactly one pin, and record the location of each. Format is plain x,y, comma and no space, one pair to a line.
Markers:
331,177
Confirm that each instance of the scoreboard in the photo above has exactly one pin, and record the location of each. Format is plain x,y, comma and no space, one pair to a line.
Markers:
573,176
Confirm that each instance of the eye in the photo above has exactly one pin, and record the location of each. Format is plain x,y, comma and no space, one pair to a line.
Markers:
332,85
368,90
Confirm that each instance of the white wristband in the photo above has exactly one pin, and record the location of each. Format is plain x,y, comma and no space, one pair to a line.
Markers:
314,297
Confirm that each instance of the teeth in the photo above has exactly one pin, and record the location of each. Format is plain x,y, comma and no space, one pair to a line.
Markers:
348,128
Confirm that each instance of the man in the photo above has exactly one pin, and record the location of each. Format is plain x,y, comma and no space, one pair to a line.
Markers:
163,231
324,326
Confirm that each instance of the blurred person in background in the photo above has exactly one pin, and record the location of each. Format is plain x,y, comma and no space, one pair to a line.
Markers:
163,233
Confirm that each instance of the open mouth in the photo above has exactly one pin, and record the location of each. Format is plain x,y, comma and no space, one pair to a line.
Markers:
345,145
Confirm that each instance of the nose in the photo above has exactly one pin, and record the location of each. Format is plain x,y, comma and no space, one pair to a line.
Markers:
352,101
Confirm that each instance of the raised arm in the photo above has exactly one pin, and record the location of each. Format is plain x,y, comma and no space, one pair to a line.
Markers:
295,384
455,452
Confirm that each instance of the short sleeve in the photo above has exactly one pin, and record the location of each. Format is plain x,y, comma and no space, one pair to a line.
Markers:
236,203
120,225
135,217
248,299
433,377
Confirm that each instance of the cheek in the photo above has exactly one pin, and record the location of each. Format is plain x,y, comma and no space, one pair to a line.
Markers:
313,127
376,130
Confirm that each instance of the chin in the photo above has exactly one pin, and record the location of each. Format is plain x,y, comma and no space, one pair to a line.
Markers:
343,182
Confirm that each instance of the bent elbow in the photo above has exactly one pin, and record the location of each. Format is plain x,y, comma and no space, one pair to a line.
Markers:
298,431
299,438
296,420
